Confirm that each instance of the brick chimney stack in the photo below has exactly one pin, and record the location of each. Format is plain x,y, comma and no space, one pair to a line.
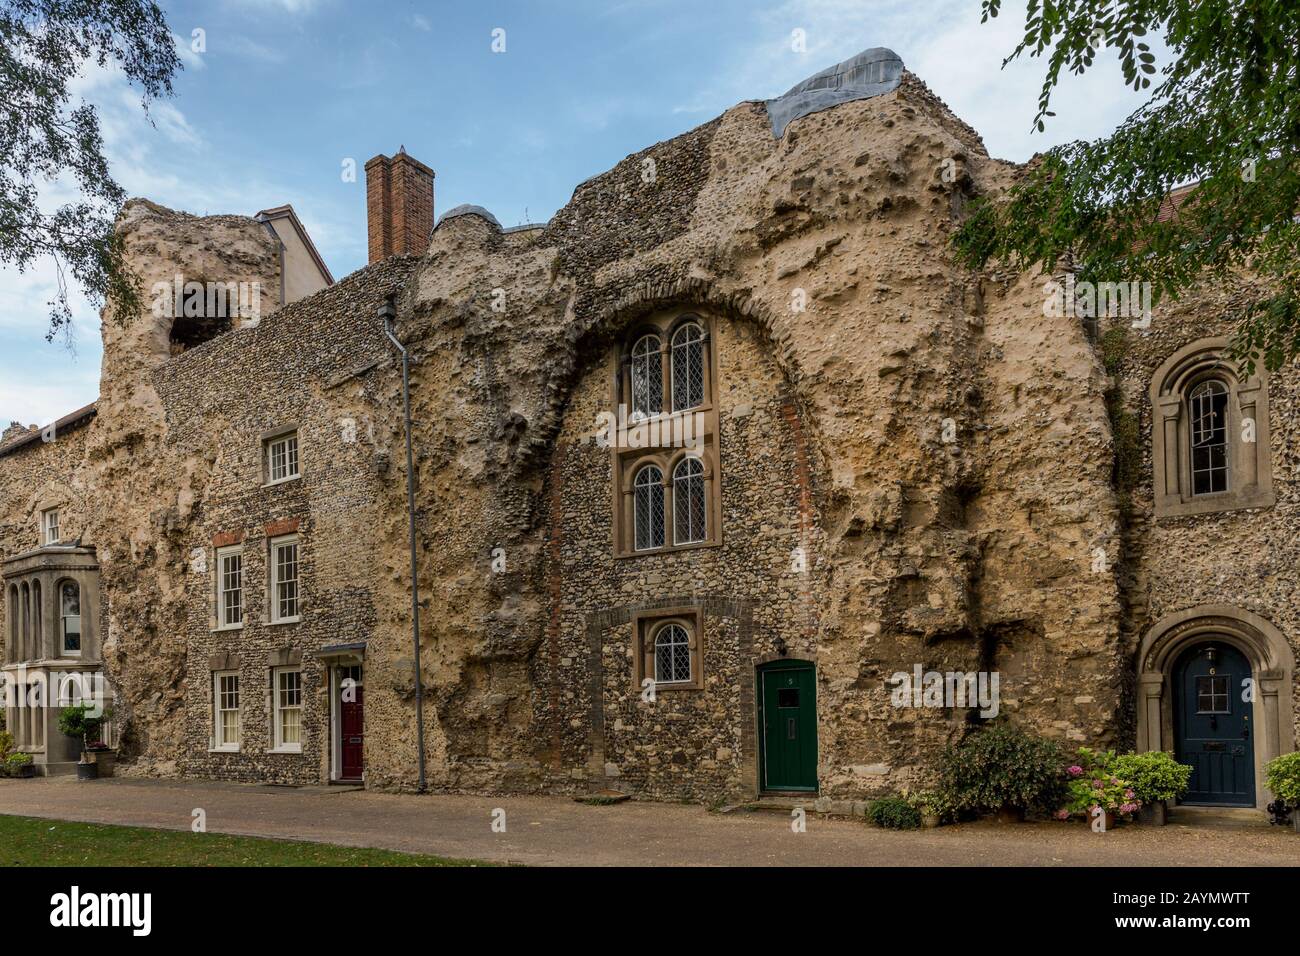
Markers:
399,205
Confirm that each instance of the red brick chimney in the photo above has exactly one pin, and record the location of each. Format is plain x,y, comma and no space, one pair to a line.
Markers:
399,205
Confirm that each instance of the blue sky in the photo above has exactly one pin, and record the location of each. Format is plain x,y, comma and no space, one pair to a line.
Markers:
287,90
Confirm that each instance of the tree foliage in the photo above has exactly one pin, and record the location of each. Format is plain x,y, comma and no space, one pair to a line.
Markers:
45,136
1224,112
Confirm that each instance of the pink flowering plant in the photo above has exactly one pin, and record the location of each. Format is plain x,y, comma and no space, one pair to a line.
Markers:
1095,782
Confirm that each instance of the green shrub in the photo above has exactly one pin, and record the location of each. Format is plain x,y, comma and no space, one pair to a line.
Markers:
1154,775
76,721
1282,776
1002,766
6,744
14,763
937,801
894,813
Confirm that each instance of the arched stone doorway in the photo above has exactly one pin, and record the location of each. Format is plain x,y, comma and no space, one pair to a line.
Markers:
1271,661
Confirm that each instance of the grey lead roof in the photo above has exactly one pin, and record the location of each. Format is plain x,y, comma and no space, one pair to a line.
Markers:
467,209
869,73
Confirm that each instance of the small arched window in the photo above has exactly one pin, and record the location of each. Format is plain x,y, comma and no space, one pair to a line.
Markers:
647,377
688,501
672,655
648,513
688,367
1207,408
70,617
1211,450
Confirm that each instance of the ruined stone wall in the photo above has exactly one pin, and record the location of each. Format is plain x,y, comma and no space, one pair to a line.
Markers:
939,447
755,590
970,553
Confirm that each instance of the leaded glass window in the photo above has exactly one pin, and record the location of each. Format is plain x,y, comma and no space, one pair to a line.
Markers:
688,501
647,377
672,655
648,518
688,367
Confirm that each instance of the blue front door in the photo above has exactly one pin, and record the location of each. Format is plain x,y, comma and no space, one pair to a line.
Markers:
1212,725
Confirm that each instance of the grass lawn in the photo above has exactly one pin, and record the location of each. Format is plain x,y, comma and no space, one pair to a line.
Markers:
28,841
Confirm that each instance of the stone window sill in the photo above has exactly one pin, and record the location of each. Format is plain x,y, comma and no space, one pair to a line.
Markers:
285,750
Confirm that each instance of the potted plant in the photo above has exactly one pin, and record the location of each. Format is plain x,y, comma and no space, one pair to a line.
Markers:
77,721
1095,789
19,765
104,756
936,806
1282,776
1002,769
1156,778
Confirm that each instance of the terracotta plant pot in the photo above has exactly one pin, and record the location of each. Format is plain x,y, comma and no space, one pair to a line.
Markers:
1154,814
1111,819
930,820
87,771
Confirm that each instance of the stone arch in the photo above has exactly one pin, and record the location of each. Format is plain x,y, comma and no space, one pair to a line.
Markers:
596,329
1249,461
1272,663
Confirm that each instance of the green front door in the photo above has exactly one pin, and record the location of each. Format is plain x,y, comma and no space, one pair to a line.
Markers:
787,721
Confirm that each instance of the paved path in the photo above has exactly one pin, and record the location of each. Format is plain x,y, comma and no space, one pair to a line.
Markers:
558,831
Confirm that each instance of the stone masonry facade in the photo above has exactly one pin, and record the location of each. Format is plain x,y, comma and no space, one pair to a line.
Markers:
905,464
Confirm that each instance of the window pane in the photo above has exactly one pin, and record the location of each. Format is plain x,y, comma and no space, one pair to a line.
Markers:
286,580
647,377
1208,422
688,502
232,583
688,367
672,655
648,509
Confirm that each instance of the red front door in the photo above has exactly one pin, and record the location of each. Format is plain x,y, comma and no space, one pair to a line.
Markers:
352,733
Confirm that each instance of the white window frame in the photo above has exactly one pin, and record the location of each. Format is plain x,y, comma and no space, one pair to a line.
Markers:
49,522
276,581
222,556
277,711
63,619
218,742
292,458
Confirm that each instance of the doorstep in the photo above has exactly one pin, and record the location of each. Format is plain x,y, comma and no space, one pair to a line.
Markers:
1228,817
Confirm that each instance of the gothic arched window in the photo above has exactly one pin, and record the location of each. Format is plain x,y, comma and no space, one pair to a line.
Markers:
672,655
648,514
1207,417
688,367
688,501
1211,450
647,377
